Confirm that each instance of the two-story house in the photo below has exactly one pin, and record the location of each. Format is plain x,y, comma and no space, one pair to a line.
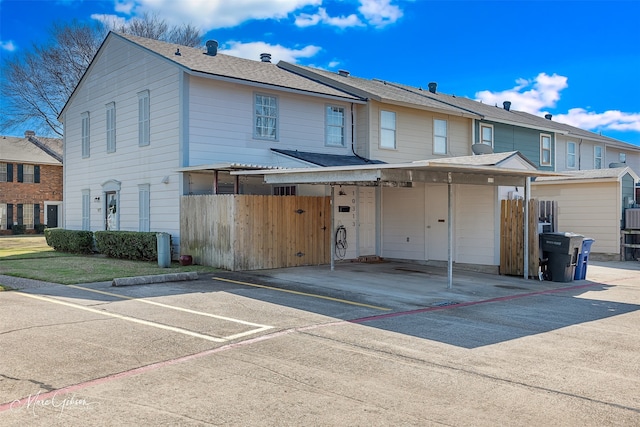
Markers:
30,183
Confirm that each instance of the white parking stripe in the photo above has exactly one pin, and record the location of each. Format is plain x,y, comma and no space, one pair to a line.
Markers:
127,318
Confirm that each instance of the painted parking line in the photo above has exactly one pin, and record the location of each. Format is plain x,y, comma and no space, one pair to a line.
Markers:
258,327
343,301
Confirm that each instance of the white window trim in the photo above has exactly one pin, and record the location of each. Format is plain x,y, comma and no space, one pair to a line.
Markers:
596,157
622,157
255,117
144,118
85,134
327,126
28,173
446,136
110,120
485,125
542,149
574,154
395,131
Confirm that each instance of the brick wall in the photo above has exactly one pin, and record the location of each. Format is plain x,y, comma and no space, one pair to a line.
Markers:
48,189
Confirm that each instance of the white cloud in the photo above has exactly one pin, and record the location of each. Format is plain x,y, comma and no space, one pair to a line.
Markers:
109,21
211,14
278,52
124,6
9,46
307,20
543,92
380,13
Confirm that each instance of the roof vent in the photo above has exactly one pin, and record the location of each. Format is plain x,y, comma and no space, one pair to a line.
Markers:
265,57
432,87
548,116
212,47
344,73
507,105
28,133
177,53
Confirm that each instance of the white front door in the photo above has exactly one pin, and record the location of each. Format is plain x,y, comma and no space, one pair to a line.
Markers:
436,209
366,221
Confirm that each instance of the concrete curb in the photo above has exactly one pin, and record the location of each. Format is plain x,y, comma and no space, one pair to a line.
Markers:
160,278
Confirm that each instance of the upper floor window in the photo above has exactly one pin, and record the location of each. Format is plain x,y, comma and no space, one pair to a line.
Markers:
486,134
571,155
4,176
335,125
28,173
597,157
439,136
111,127
85,134
623,157
144,118
545,150
266,117
387,129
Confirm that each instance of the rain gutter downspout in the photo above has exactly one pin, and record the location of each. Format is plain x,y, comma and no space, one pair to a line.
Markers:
449,234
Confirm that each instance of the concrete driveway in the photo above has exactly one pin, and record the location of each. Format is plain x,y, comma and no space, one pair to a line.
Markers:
389,345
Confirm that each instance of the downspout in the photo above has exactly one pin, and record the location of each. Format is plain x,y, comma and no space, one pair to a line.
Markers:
449,233
580,155
353,131
527,197
333,226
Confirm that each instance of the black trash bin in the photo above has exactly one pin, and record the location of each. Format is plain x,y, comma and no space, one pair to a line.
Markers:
561,250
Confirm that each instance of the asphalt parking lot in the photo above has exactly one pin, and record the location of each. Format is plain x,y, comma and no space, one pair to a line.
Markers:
384,344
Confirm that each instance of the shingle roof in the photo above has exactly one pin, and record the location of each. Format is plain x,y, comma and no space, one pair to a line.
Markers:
375,89
18,149
493,159
321,159
590,174
232,67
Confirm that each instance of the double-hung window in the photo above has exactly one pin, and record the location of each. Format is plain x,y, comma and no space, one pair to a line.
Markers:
143,207
28,174
545,150
4,173
571,155
622,157
144,119
387,129
85,134
266,117
597,157
111,127
486,134
439,136
335,125
86,210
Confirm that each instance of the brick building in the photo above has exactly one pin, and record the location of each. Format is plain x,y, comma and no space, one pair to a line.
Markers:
30,183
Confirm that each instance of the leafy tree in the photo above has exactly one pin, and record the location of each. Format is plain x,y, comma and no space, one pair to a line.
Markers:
37,83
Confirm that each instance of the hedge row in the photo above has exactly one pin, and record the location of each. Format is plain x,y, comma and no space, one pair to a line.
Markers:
74,241
134,245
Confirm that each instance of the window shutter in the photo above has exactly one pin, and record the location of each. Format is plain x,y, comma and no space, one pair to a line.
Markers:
36,213
9,216
36,174
20,173
9,172
19,214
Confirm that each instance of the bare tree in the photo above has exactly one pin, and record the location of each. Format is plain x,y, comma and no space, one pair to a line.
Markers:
38,83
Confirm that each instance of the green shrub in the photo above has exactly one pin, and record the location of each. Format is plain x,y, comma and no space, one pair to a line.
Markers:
39,228
74,241
18,229
134,245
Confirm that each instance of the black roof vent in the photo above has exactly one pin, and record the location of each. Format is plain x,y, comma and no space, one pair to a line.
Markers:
212,48
265,57
507,105
548,116
432,87
344,73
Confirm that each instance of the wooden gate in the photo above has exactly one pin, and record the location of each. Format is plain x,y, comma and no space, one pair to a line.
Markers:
247,232
512,238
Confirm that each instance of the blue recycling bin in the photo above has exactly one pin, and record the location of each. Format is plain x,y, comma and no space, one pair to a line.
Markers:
583,259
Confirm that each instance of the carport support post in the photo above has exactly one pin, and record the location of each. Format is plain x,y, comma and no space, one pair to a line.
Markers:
333,236
527,196
449,234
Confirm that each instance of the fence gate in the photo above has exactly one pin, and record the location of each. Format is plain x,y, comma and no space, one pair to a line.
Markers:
249,232
512,238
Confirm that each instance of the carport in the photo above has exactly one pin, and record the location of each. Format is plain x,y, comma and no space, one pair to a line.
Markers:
484,170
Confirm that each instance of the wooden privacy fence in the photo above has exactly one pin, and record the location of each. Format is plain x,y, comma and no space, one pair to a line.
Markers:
512,238
247,232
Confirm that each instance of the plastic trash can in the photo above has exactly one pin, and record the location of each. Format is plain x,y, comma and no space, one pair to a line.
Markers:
561,250
583,259
164,250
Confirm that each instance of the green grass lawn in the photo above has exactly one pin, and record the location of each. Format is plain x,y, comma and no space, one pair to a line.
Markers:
30,257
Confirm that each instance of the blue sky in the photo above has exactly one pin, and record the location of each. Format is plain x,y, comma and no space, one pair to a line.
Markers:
578,60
